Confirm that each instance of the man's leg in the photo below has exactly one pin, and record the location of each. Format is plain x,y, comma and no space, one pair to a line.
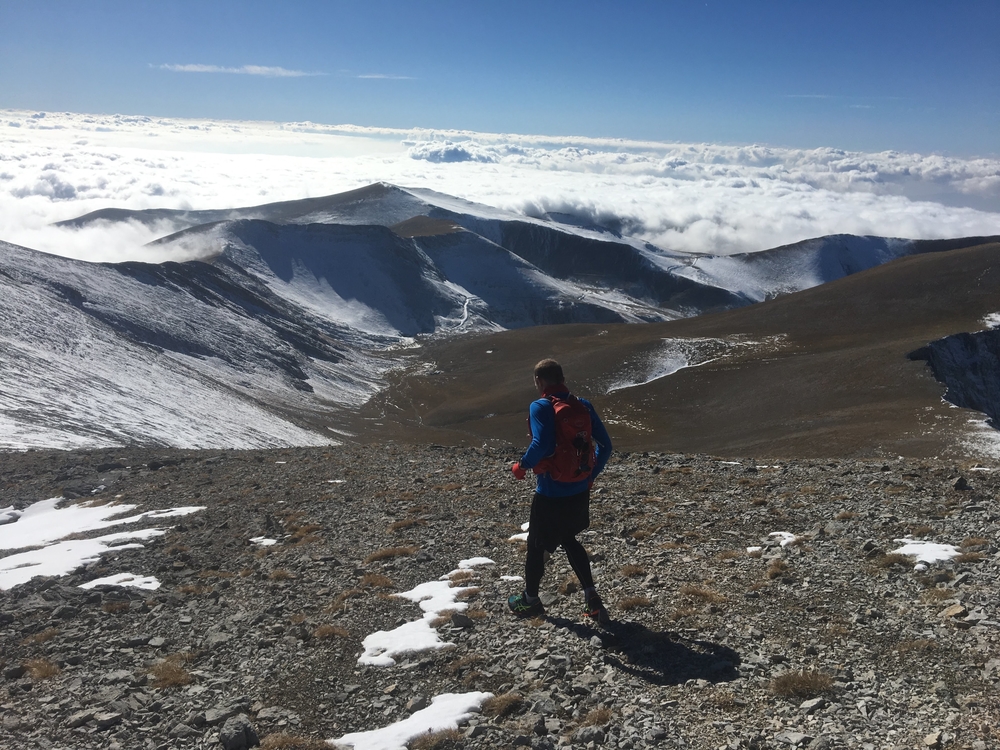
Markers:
534,567
579,561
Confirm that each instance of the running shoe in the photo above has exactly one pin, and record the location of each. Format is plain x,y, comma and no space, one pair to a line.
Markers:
595,610
521,607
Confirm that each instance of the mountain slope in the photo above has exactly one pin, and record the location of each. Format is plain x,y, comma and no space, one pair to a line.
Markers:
823,372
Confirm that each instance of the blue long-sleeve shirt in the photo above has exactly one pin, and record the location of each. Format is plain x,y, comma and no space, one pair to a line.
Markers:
542,418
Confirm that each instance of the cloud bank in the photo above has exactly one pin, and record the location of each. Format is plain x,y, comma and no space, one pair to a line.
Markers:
700,198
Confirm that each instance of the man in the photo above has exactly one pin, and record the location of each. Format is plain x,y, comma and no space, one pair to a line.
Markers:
560,509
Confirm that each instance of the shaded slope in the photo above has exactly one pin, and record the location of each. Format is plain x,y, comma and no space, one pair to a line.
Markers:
823,372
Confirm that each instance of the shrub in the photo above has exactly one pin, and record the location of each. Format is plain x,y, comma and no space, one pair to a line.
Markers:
777,568
893,559
633,571
446,738
569,585
377,580
44,636
405,523
281,574
597,717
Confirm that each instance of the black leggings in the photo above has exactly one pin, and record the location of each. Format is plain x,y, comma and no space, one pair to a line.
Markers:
534,564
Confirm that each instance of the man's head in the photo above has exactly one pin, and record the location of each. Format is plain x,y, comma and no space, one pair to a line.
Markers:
548,372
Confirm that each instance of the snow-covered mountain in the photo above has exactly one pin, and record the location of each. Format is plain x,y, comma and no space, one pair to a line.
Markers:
300,308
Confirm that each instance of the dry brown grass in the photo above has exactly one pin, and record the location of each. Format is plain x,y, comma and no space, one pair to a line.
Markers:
436,740
215,574
285,741
801,684
390,552
477,613
43,637
115,608
920,645
757,553
341,599
632,571
170,671
569,585
777,568
935,595
463,663
281,574
893,559
500,706
325,632
443,618
680,613
459,577
846,515
702,593
633,602
920,529
468,593
41,669
597,717
723,700
377,580
969,557
405,523
759,501
974,541
673,545
729,554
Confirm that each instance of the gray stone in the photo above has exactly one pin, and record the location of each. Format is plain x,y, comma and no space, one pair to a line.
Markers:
793,738
79,719
586,735
107,719
214,716
238,734
180,729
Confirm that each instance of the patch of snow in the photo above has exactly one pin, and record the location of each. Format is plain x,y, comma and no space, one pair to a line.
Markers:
926,553
446,711
150,583
263,541
785,537
753,550
992,320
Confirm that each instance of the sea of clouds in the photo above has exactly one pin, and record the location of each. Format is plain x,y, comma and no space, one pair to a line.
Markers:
690,197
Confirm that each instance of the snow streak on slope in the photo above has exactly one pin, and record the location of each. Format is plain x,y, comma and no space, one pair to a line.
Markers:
99,355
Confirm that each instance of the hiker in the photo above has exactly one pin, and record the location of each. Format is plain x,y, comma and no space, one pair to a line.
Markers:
560,508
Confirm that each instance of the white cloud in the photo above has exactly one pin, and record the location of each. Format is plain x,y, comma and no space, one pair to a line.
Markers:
691,197
250,70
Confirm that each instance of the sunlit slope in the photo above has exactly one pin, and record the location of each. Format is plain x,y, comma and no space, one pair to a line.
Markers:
823,372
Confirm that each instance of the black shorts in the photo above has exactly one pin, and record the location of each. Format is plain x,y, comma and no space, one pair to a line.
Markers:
556,518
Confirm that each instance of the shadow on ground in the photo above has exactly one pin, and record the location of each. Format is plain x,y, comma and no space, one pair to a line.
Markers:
659,658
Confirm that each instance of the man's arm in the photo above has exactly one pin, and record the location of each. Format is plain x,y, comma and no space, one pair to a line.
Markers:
542,418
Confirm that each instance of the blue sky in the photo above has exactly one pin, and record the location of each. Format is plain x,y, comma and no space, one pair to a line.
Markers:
912,76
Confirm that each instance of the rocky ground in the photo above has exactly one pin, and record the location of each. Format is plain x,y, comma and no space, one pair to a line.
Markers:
826,642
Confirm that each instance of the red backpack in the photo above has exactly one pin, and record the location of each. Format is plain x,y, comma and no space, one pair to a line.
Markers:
574,457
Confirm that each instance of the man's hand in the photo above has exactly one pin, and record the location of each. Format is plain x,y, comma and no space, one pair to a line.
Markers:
518,471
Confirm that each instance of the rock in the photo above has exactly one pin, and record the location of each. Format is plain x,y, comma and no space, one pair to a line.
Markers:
793,738
183,730
955,610
812,706
238,734
79,719
586,735
459,620
107,719
934,738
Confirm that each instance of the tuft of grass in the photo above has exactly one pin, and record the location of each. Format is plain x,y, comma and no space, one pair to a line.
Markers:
194,588
634,602
969,557
974,541
801,684
920,645
681,612
468,593
597,717
501,706
700,592
463,663
920,529
459,577
41,669
43,637
934,595
633,571
214,574
285,741
846,515
170,672
759,501
569,585
341,598
777,568
443,618
477,613
446,738
893,559
281,574
115,608
405,523
377,580
724,700
325,632
729,554
390,552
